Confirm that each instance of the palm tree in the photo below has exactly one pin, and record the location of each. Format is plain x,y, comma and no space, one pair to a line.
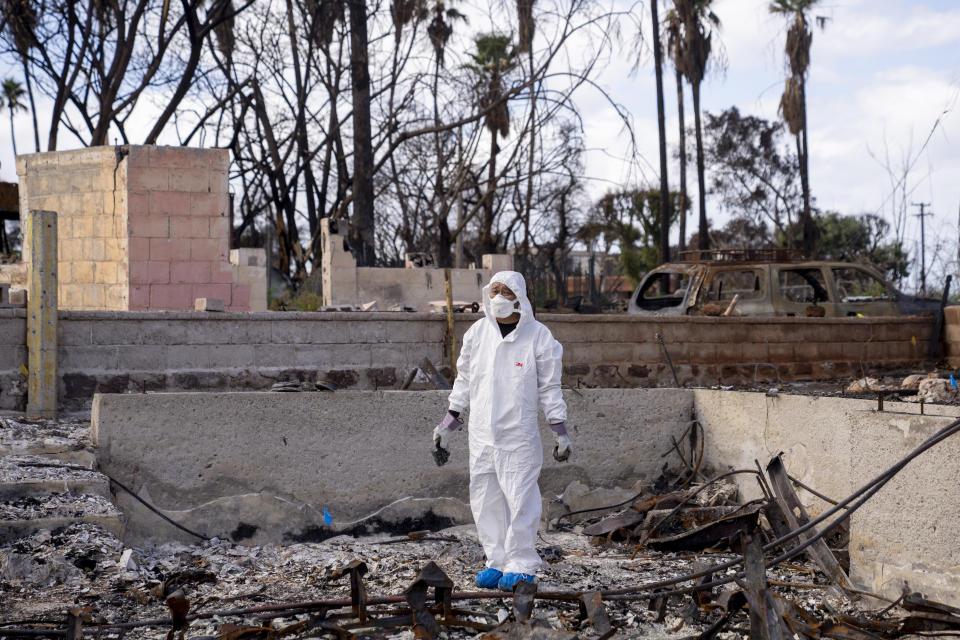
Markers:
694,52
662,133
672,34
793,103
494,58
439,31
324,16
13,93
20,19
526,25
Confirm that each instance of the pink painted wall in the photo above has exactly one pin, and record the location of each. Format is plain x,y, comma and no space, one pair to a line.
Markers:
177,210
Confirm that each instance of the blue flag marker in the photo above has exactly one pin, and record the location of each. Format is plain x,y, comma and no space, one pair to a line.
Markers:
327,518
953,381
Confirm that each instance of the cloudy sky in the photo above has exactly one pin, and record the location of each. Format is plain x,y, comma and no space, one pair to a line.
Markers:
884,81
884,77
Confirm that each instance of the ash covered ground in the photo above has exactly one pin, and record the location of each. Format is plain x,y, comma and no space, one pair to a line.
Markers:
82,568
43,576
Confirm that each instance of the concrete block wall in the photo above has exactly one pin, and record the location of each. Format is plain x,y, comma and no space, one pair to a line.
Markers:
250,269
344,283
231,351
179,229
85,188
13,359
197,351
14,274
623,351
140,227
951,337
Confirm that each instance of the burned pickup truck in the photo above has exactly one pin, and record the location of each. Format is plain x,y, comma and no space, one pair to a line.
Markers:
770,283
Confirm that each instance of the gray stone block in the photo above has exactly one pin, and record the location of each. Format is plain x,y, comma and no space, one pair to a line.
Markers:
162,332
208,304
231,356
145,357
13,331
92,358
12,357
219,330
275,355
117,332
188,356
307,332
332,355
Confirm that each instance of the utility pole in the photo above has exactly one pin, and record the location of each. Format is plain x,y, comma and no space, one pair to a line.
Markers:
923,245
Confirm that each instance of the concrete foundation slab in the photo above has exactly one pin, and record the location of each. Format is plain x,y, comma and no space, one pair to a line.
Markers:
263,467
905,534
270,466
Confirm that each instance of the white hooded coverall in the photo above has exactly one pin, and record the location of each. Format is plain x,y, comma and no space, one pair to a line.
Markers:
503,380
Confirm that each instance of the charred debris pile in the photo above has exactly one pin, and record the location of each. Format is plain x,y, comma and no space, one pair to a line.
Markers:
682,559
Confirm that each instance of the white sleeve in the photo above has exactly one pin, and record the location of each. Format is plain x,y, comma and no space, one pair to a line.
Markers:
549,355
460,395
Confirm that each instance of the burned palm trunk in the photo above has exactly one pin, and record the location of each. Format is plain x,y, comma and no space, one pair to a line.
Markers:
362,228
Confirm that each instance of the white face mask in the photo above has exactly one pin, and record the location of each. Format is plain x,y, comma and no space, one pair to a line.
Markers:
501,307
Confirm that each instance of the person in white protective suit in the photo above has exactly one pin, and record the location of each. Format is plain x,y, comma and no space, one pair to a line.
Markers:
509,365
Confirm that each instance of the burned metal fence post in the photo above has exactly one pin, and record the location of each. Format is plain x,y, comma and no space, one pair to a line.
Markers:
756,579
591,606
796,516
666,354
358,592
938,326
41,233
424,624
523,599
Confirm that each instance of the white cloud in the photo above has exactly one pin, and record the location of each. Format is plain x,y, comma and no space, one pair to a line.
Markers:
885,28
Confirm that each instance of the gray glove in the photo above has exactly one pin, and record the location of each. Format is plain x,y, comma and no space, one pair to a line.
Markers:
563,448
441,432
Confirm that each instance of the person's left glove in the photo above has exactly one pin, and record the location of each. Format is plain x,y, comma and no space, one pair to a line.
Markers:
441,432
563,448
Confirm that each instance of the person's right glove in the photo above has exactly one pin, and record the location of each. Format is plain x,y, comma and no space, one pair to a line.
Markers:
563,448
441,452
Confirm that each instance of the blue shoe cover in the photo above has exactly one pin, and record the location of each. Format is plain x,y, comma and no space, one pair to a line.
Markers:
510,580
488,578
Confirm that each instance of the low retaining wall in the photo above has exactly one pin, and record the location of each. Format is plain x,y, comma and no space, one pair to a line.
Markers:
116,352
265,466
907,532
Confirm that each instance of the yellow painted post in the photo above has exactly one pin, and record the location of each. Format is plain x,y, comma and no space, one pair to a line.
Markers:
41,234
450,326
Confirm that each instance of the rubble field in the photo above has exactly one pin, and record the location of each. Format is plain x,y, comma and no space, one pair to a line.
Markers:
681,559
939,387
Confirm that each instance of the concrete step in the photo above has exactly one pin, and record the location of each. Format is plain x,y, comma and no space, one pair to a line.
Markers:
13,530
25,515
67,442
24,476
48,479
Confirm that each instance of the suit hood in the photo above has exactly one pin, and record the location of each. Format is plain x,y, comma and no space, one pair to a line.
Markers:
518,285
